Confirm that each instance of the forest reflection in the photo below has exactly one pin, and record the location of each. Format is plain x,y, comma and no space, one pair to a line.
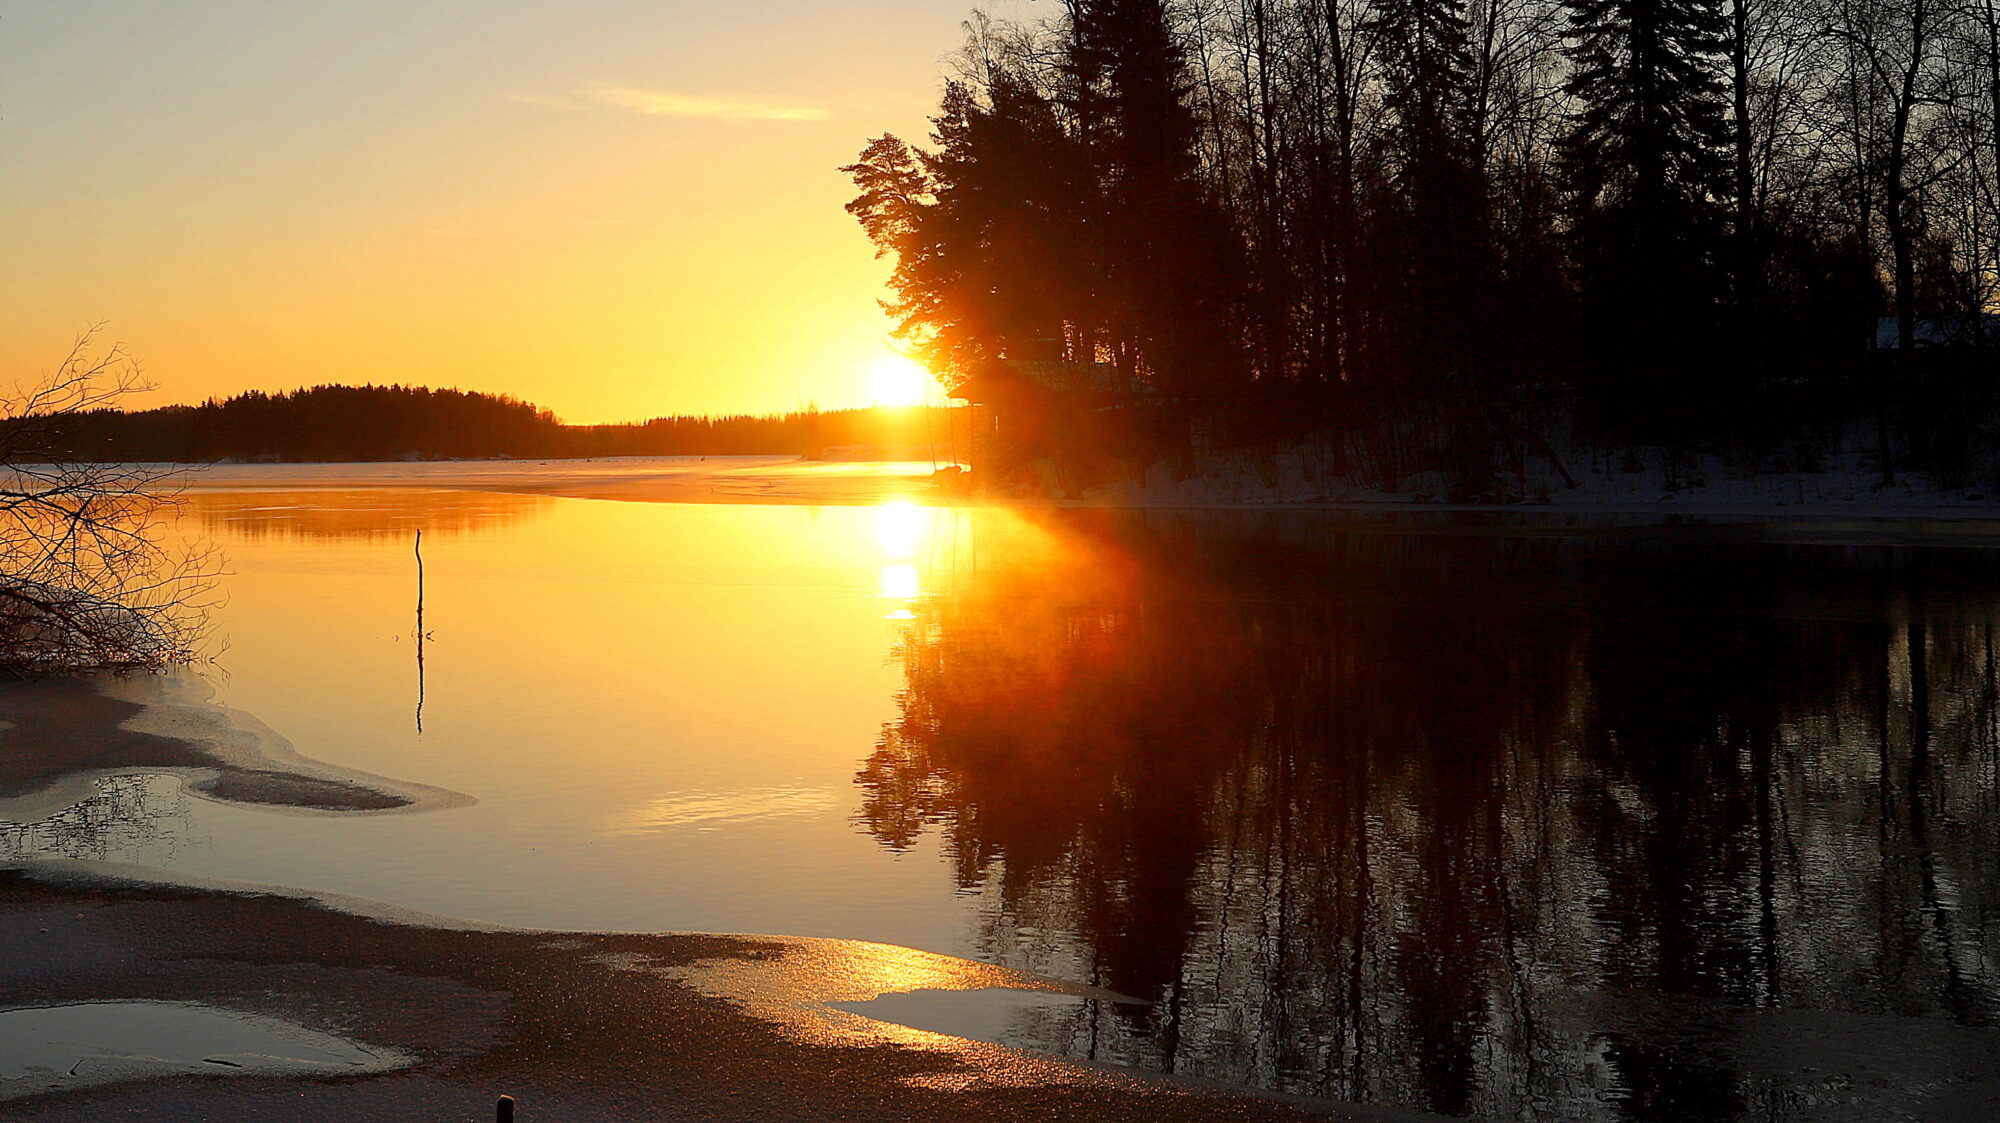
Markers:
1548,827
361,515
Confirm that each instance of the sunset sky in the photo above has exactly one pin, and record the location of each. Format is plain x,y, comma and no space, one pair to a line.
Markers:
616,209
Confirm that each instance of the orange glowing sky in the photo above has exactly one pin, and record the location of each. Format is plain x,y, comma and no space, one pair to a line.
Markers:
613,208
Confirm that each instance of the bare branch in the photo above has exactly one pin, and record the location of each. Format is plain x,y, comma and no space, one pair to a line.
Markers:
90,577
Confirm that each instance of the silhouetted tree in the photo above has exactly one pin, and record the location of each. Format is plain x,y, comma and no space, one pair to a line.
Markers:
1170,268
994,232
1436,208
1395,224
1645,163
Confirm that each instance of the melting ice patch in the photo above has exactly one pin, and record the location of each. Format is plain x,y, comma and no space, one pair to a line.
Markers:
47,1047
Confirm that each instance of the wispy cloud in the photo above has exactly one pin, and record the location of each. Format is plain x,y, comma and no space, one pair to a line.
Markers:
666,103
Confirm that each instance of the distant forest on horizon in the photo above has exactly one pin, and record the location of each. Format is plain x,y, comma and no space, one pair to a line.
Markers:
340,423
1419,223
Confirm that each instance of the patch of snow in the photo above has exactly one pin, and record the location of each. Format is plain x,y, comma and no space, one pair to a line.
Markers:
1644,481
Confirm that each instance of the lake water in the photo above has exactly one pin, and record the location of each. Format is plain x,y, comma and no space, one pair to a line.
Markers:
1479,818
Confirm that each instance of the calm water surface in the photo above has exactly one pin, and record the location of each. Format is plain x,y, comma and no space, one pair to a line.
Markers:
1538,825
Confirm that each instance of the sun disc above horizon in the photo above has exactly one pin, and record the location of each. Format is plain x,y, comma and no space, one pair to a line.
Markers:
895,380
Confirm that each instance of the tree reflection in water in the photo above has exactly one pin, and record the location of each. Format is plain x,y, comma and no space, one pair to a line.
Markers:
1543,826
137,818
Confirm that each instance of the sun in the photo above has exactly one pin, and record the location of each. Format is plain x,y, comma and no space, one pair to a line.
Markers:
897,381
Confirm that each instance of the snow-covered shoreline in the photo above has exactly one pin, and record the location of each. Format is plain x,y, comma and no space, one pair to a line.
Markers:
1696,486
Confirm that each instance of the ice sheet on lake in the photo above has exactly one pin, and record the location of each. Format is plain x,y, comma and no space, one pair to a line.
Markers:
66,1047
709,809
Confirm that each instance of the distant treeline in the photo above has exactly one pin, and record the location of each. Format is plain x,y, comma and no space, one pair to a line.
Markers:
333,423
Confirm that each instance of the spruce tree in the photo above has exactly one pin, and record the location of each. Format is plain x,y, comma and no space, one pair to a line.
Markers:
1645,159
990,229
1433,259
1171,268
1426,64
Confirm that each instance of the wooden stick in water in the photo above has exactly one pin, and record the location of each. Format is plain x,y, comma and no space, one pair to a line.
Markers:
420,638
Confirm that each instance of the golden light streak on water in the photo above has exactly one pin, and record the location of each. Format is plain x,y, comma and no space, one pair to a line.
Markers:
899,524
900,582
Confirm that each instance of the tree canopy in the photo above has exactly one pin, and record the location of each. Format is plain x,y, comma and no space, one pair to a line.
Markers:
1678,218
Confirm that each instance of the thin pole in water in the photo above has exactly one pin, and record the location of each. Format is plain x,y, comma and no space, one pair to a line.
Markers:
508,1110
503,1112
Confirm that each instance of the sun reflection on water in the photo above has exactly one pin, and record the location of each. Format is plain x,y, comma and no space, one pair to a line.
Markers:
899,582
900,528
899,525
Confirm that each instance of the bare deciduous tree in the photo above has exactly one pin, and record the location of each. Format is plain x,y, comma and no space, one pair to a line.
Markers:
91,574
